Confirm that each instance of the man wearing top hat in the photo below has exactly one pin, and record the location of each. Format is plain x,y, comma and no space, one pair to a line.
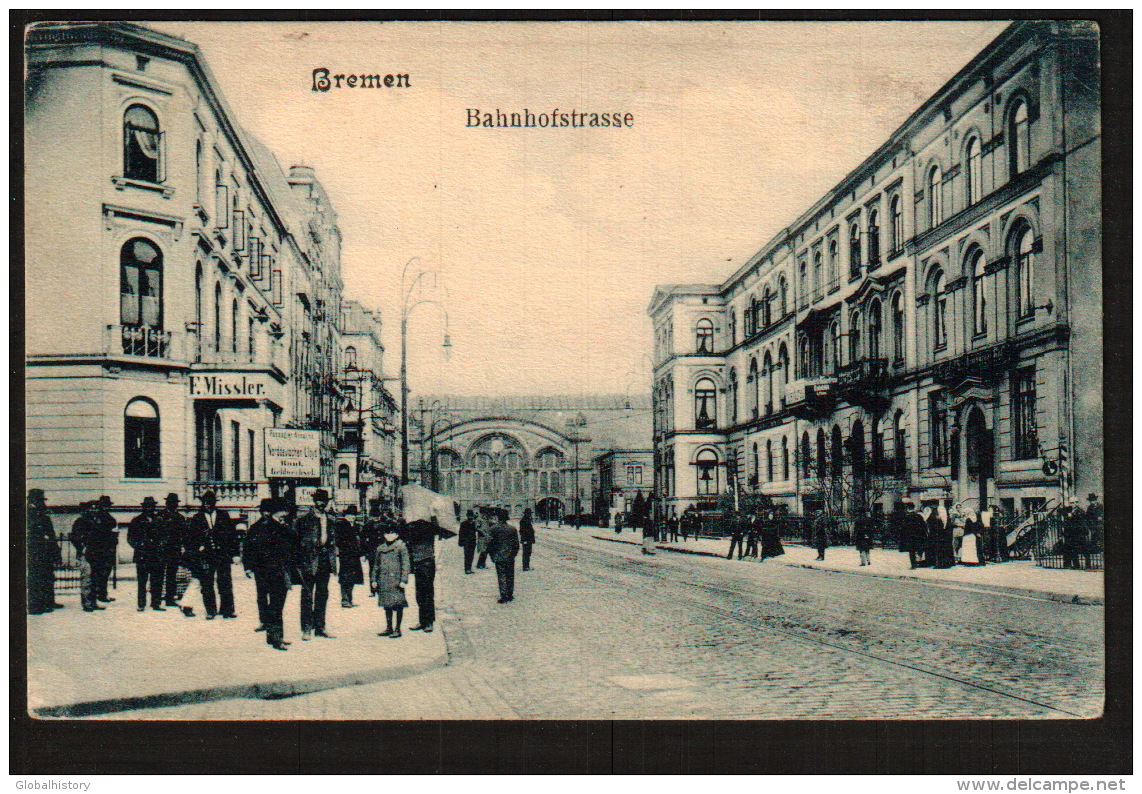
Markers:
102,547
145,536
269,554
316,532
212,541
43,555
172,524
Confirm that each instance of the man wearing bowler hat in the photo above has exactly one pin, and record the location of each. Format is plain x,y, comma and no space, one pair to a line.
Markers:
316,531
145,536
269,555
213,540
102,547
173,529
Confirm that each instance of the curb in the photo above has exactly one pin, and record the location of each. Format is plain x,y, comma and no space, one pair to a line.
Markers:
1043,595
270,690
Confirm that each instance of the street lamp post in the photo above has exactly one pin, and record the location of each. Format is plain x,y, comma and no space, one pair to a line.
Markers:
573,425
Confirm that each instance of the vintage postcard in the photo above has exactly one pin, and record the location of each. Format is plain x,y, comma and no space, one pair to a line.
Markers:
564,370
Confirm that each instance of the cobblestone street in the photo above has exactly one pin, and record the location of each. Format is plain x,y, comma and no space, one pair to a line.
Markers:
598,630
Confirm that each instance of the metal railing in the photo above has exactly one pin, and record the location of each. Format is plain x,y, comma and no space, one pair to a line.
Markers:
143,341
233,493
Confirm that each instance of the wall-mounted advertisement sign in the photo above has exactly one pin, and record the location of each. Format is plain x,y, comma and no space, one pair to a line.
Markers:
292,453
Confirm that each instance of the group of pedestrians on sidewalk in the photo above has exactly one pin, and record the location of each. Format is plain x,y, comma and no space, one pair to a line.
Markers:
756,536
486,531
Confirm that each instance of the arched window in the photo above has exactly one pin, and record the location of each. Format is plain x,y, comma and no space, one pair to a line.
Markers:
732,326
803,353
973,266
818,274
784,458
705,404
803,284
754,316
250,337
350,357
837,454
836,354
873,238
898,327
875,329
806,455
217,316
140,284
783,296
939,311
822,453
899,442
767,378
854,251
1023,254
141,449
1019,133
198,307
896,209
856,449
766,308
234,325
783,366
974,171
878,463
343,476
935,198
769,460
834,256
707,472
752,387
756,464
142,145
855,351
732,396
705,337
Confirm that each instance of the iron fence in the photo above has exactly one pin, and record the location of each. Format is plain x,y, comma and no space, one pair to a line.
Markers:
67,569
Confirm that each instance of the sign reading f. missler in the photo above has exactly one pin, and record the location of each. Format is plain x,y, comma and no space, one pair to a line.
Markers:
292,453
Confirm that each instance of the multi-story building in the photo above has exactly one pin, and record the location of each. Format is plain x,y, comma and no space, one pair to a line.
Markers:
182,292
929,329
620,476
367,466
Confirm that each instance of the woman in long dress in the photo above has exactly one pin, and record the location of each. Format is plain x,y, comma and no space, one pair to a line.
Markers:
969,548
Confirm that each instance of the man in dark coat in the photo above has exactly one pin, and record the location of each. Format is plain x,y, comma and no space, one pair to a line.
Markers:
467,540
737,535
913,534
821,526
212,543
269,554
144,535
316,532
173,527
526,538
372,532
102,547
81,538
349,571
420,538
43,555
1075,535
503,545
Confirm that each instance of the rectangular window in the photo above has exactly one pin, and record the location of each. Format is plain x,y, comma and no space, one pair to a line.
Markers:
236,449
253,455
1025,435
938,421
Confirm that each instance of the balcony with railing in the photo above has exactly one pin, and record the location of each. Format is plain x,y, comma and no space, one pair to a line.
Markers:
232,494
865,382
985,366
811,398
140,341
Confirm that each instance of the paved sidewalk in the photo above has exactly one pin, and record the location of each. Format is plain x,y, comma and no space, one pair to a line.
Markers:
89,664
1019,576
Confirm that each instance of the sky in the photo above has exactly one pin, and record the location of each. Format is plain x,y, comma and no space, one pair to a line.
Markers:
549,242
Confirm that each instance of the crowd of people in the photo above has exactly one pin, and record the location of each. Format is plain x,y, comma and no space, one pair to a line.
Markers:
285,546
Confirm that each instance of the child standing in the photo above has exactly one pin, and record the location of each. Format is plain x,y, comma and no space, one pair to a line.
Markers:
391,569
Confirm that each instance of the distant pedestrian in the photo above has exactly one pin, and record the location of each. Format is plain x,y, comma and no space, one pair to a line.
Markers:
43,555
913,533
649,532
483,532
1075,535
957,520
269,555
390,572
173,526
103,548
737,535
969,543
821,528
467,539
503,545
862,538
526,538
81,538
213,545
145,536
769,529
349,570
317,561
752,532
940,539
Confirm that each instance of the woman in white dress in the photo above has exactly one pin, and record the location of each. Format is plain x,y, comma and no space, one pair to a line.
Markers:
969,548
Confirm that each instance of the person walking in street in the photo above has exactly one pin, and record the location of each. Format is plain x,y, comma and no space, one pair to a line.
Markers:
940,539
526,538
751,535
390,571
644,520
1075,534
81,538
821,528
969,545
503,545
467,540
103,548
315,530
145,536
483,532
862,538
956,520
43,555
770,531
913,532
173,528
737,535
212,544
269,555
349,571
420,537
